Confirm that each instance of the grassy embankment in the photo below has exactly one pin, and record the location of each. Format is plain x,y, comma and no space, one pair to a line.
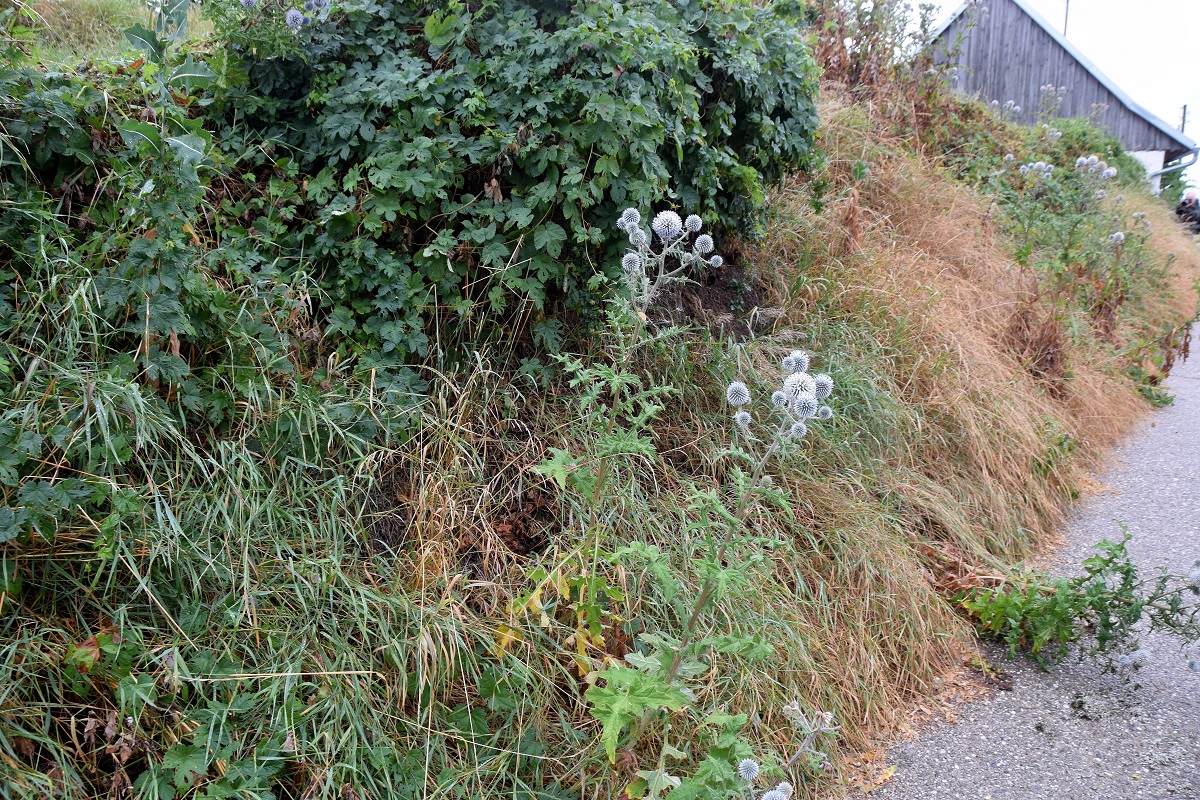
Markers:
391,603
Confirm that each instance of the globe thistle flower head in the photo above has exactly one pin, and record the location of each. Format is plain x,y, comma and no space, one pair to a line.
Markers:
1111,172
294,19
637,236
704,244
631,263
779,399
1016,109
737,394
785,789
667,225
629,218
1099,194
1139,657
1039,166
249,4
805,406
799,383
774,794
1008,157
747,769
693,223
823,385
742,418
1193,578
824,413
310,6
1092,161
715,262
795,361
1080,162
798,430
1117,237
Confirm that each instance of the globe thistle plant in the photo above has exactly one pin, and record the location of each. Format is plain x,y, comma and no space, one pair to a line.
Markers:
294,18
747,769
797,401
663,255
737,394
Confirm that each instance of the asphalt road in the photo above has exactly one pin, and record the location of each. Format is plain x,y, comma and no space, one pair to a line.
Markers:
1077,733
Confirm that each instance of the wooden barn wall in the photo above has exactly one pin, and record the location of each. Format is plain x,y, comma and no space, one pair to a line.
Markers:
1008,56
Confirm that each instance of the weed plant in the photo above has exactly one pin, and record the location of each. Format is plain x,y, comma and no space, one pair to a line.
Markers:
1099,611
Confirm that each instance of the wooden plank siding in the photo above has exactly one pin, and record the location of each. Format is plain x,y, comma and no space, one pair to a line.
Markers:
1005,54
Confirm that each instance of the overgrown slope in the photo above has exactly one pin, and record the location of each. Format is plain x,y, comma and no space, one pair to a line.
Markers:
242,566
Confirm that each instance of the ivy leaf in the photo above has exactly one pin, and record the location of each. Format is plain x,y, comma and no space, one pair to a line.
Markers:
626,697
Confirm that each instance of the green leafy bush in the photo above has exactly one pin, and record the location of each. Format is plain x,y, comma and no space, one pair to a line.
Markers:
454,160
1045,616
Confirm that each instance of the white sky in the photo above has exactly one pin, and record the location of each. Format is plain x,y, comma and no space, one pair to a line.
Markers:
1149,48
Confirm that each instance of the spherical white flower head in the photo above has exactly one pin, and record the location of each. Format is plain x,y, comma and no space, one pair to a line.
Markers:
294,18
637,236
1117,237
785,789
1049,168
629,218
1039,166
715,262
704,244
737,394
747,769
1111,172
799,383
742,418
805,406
822,385
798,430
1080,162
1139,657
795,361
1099,194
824,413
667,225
693,223
1139,215
773,795
1193,579
1016,109
1008,157
1024,169
631,263
779,399
1092,161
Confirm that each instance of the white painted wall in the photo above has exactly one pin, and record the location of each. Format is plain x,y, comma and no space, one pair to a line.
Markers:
1152,160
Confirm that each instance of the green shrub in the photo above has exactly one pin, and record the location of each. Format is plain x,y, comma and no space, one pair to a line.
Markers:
454,160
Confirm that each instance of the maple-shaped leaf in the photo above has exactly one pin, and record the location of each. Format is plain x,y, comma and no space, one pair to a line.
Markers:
627,695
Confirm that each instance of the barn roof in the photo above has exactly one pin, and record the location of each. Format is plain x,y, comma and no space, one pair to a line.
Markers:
1155,134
